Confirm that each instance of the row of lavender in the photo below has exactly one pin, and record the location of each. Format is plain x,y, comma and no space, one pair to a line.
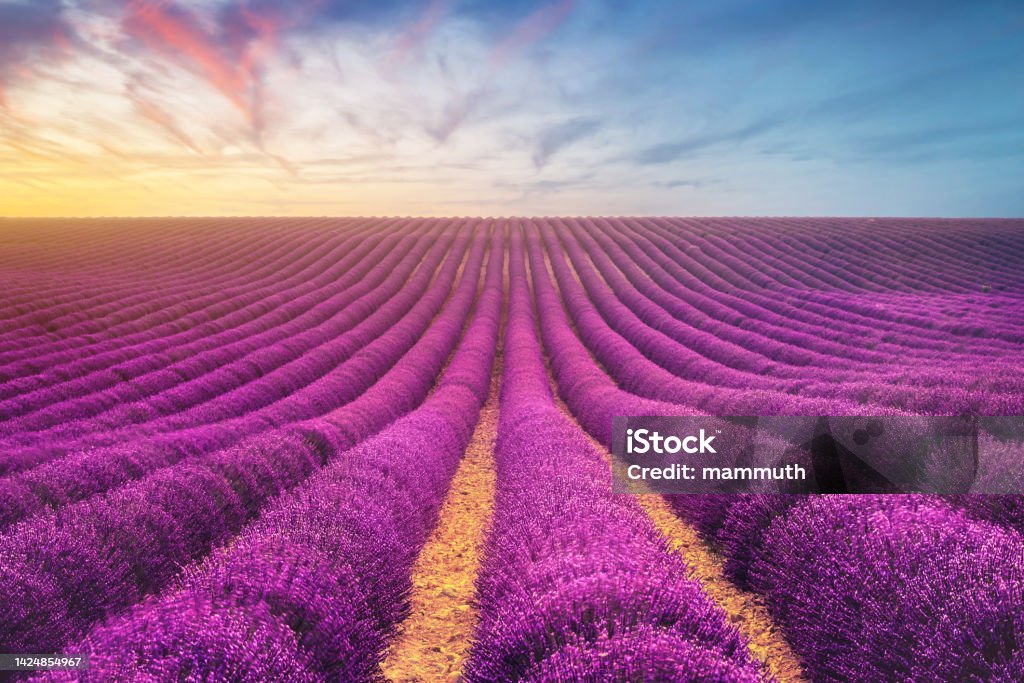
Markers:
65,570
866,588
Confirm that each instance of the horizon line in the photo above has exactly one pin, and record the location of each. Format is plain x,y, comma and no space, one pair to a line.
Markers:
504,217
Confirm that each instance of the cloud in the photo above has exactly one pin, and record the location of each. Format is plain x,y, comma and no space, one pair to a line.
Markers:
367,12
538,188
532,29
695,184
228,49
152,112
30,32
178,33
556,138
457,112
976,140
416,34
666,152
929,137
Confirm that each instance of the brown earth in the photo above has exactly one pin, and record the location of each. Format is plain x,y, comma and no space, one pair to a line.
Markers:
434,641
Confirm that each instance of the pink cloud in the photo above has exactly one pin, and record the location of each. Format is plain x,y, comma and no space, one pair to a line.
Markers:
417,33
30,34
153,113
534,28
230,57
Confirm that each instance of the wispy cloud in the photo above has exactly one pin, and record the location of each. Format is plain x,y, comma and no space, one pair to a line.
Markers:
415,34
692,183
901,89
530,189
552,140
945,135
535,27
152,112
228,49
666,152
30,32
456,112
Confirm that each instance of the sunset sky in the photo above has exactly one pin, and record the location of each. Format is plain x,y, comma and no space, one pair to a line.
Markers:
526,107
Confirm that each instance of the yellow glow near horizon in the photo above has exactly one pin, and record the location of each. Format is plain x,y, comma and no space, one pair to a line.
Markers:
88,197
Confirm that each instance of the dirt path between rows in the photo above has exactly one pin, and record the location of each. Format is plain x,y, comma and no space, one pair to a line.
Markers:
434,641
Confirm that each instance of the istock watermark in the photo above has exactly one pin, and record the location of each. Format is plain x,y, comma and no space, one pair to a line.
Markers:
640,441
802,454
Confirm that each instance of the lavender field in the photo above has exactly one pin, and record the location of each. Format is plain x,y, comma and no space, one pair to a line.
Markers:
378,449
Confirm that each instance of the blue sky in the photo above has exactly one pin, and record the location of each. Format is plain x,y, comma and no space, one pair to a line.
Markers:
242,107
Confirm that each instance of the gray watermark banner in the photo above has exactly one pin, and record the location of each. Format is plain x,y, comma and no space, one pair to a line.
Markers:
796,454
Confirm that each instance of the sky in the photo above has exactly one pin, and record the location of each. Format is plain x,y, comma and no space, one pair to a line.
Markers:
519,107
